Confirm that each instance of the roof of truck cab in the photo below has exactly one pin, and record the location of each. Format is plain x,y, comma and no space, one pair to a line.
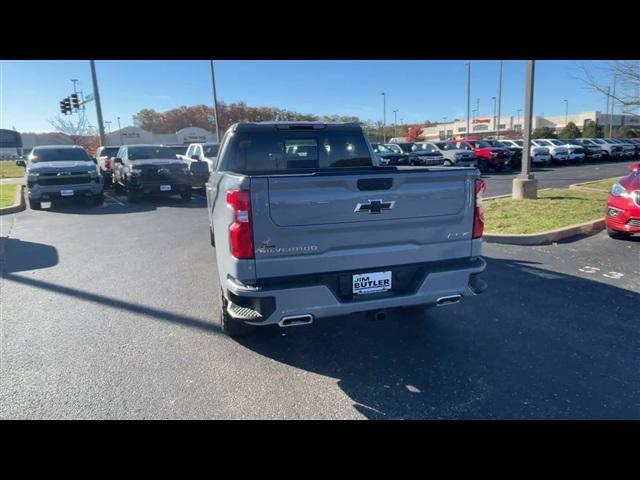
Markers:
42,147
266,126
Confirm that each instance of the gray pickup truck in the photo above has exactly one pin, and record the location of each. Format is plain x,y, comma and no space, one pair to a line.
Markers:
56,172
306,224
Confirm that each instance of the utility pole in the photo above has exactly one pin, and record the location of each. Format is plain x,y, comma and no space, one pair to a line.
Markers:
494,113
215,101
566,112
444,126
468,96
499,97
384,117
525,185
613,107
108,124
518,111
96,96
478,107
395,123
120,130
608,97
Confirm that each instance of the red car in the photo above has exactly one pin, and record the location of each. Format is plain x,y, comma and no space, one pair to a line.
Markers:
623,207
488,155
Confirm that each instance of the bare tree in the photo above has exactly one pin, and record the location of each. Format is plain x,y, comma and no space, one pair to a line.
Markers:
78,129
627,74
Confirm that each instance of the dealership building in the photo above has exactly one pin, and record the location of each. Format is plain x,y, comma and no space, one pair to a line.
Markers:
488,126
125,136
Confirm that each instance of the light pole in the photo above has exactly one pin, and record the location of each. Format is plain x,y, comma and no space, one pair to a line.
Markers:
108,124
494,113
444,127
525,185
96,96
566,112
478,107
395,123
613,107
499,97
468,95
215,101
608,97
120,130
384,117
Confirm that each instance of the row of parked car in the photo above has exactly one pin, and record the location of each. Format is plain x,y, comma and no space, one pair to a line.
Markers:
497,155
59,171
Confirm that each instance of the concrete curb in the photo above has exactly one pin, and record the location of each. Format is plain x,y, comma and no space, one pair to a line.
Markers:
585,186
550,236
508,195
18,204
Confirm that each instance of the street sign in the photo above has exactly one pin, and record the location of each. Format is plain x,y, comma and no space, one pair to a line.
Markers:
88,98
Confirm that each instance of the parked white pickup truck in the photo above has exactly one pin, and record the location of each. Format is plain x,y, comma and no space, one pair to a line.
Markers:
202,159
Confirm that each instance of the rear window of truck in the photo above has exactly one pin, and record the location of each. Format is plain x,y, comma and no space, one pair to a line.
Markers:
277,151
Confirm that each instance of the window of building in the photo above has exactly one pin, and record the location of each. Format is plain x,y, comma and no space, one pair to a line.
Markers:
502,126
462,129
480,127
517,127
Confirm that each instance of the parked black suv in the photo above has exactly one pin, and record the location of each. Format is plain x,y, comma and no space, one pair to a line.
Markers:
150,169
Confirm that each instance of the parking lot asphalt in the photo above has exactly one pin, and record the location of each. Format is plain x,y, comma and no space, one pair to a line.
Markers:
110,312
558,176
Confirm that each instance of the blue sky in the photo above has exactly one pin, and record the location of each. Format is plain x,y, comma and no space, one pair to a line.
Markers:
420,90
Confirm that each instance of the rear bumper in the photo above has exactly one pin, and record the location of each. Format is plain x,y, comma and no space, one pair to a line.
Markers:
329,295
53,192
154,188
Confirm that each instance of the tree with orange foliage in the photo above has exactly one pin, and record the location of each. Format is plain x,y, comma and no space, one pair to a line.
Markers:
414,134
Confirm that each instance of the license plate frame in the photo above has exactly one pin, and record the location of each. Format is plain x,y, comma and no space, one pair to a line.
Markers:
371,282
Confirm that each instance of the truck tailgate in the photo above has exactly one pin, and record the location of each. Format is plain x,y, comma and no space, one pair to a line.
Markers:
321,223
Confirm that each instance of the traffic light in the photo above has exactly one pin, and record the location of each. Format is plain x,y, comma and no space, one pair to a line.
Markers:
63,109
74,101
67,106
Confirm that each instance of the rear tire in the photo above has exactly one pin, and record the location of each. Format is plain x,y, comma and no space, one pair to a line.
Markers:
35,205
483,166
231,326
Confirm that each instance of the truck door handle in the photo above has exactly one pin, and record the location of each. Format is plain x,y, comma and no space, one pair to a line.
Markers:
365,184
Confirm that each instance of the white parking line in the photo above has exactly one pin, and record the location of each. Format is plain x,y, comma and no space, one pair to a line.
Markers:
111,198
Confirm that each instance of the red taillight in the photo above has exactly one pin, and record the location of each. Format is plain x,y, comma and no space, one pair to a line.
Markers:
240,231
478,216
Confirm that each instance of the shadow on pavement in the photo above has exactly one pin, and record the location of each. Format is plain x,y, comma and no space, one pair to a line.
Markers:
539,344
19,256
117,204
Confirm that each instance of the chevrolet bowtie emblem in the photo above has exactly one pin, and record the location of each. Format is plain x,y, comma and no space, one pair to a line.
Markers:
374,206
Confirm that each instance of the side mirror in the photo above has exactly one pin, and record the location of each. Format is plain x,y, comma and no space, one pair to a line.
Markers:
634,167
20,163
195,157
118,160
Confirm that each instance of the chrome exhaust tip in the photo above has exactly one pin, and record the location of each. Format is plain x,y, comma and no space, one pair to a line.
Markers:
449,300
295,320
